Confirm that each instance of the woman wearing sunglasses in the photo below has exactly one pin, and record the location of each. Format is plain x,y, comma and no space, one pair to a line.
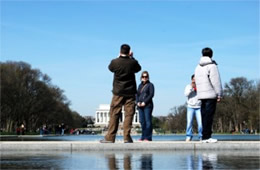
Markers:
144,101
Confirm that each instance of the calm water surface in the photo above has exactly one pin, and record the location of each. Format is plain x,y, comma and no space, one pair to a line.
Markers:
132,160
135,138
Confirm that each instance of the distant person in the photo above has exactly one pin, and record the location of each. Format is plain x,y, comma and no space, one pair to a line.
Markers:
209,91
124,90
22,129
41,131
71,131
62,129
18,130
144,100
45,131
57,129
193,108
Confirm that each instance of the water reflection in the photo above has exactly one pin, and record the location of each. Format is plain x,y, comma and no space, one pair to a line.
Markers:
128,162
205,160
131,160
209,160
29,161
194,162
146,161
114,163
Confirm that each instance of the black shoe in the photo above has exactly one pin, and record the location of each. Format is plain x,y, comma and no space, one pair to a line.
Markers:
106,141
130,141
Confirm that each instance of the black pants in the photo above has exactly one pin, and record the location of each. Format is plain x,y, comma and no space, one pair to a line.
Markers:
208,108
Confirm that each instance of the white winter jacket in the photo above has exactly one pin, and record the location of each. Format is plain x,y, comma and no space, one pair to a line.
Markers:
207,79
192,101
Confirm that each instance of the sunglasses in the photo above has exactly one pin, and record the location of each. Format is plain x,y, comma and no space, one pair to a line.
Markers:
144,76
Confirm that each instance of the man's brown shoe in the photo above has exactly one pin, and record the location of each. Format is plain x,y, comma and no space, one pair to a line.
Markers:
128,141
106,141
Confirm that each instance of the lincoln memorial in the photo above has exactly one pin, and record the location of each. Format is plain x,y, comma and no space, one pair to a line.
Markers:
102,116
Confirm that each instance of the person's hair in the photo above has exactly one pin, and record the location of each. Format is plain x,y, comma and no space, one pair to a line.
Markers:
125,49
144,72
192,76
207,52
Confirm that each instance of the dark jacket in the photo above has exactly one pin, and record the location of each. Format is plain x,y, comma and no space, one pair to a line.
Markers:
124,69
145,93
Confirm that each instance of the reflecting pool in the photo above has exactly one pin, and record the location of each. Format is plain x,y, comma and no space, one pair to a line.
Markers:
132,160
173,137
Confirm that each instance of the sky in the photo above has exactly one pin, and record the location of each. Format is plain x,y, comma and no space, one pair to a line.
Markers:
74,41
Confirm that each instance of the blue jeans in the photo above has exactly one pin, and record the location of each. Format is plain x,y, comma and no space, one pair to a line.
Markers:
145,115
190,115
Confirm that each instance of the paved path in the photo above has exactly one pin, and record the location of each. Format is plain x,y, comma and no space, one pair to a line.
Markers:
120,146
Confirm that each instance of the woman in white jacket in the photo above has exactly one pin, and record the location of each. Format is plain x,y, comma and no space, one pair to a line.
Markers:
193,108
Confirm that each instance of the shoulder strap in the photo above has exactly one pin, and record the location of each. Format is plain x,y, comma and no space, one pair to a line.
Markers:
143,88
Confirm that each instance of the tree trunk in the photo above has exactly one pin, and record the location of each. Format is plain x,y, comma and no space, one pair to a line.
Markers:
230,126
9,125
241,127
236,127
220,125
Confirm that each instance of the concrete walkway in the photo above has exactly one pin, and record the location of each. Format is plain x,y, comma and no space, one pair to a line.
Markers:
120,146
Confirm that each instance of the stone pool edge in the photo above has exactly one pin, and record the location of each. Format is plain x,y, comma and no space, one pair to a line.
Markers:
120,146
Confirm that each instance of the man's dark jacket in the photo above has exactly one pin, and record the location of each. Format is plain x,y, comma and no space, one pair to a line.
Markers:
124,69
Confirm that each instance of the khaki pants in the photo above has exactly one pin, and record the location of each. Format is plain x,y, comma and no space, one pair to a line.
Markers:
115,110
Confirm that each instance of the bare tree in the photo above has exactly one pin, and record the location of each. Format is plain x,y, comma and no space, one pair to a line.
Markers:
28,97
